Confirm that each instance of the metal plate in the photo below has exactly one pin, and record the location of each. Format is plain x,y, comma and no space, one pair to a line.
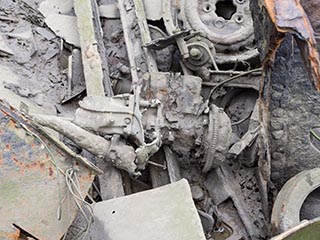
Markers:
30,185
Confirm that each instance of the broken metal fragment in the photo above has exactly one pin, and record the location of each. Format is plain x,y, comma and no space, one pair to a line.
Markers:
289,17
34,193
76,80
172,164
64,26
167,213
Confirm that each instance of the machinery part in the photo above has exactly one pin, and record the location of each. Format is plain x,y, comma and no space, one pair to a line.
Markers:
286,209
202,52
116,115
33,187
165,41
145,35
121,155
226,23
147,150
162,45
169,10
218,138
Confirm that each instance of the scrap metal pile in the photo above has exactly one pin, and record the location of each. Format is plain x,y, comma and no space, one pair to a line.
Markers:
119,101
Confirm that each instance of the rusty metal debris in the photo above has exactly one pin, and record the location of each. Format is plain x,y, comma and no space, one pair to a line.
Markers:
118,98
34,183
290,17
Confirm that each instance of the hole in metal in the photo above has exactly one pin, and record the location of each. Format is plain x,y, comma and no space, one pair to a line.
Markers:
225,9
207,7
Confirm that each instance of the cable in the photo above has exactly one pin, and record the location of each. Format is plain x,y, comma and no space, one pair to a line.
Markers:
233,78
242,120
313,133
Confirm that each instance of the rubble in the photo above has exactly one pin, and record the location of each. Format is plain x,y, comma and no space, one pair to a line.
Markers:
149,119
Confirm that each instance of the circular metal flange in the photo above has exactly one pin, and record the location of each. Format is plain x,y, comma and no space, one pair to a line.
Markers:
218,138
202,52
286,209
226,23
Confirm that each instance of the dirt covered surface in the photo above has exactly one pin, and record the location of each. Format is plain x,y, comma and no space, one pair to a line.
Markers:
32,68
294,111
34,76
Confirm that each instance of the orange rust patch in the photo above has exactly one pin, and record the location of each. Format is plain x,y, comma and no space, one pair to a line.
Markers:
10,236
281,13
8,147
15,160
11,124
163,91
34,165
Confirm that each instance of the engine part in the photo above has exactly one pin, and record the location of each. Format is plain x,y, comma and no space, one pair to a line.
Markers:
95,144
202,52
218,138
286,208
227,24
115,115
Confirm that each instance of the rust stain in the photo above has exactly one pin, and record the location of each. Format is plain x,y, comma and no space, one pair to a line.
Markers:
15,159
8,147
11,124
34,165
290,17
50,172
10,236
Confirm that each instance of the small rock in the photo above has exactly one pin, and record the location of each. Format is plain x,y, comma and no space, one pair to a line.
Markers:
277,134
197,193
